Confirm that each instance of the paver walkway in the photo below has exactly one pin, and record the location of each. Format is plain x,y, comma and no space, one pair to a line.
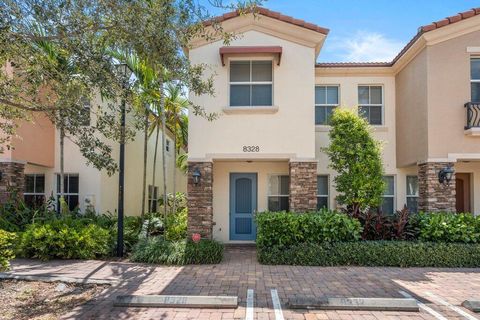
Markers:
240,271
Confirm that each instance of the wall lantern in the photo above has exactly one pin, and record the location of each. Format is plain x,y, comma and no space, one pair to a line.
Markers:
196,176
445,175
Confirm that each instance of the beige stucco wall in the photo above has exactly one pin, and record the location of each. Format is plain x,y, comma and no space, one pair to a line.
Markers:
448,91
288,133
221,189
411,112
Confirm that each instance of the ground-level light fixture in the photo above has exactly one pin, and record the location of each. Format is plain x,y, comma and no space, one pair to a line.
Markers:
445,175
196,176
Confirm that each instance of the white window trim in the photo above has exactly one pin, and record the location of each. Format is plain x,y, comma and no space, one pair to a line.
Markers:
411,196
328,189
151,196
327,104
394,196
268,188
68,193
230,83
35,193
382,105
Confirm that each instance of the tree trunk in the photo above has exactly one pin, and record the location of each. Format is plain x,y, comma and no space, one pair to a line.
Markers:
145,155
164,165
154,164
174,209
62,169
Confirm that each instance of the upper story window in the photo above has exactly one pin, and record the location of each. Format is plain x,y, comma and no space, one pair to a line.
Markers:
278,192
326,100
475,78
370,104
251,83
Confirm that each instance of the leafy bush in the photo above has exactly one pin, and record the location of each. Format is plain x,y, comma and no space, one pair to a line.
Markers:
65,239
176,225
7,241
374,253
286,228
449,227
378,226
160,251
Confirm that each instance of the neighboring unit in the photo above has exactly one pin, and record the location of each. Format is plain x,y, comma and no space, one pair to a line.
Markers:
275,101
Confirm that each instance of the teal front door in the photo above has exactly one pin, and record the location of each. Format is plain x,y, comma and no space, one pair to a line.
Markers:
243,204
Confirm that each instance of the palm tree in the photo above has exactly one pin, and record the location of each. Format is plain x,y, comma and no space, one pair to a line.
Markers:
176,107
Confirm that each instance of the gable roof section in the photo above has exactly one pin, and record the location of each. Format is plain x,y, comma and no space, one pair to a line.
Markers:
422,30
271,14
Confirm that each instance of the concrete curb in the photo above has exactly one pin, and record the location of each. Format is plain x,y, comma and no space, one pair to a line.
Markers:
214,302
363,304
9,276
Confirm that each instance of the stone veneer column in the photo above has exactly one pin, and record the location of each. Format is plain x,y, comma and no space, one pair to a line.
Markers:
200,200
303,186
12,180
434,196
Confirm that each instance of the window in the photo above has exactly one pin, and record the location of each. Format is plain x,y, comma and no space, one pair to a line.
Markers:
152,198
70,190
412,193
34,194
475,78
388,205
278,193
370,104
326,100
167,145
322,192
251,83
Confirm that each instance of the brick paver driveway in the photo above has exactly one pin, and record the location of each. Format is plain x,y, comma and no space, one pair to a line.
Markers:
239,272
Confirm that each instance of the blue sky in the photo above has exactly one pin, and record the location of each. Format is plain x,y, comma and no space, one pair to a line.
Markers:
367,30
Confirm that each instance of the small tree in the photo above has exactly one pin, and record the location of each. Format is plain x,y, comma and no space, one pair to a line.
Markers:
356,156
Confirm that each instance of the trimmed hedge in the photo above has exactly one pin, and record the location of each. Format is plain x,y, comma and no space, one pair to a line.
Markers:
374,253
159,251
7,243
286,228
65,239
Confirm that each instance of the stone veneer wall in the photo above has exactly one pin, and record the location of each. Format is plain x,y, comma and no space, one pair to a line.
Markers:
12,180
200,200
303,186
434,196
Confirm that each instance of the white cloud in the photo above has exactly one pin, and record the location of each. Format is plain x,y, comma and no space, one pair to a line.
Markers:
364,46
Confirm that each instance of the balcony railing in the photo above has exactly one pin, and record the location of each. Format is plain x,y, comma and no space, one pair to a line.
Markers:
473,115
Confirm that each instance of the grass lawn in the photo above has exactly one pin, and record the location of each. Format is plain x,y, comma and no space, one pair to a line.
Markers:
42,300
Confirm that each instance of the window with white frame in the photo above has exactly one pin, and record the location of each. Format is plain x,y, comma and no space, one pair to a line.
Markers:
475,79
152,198
251,83
412,193
278,192
34,195
388,203
326,100
70,190
370,104
322,192
167,145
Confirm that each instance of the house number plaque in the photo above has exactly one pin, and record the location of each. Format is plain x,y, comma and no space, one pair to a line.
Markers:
251,149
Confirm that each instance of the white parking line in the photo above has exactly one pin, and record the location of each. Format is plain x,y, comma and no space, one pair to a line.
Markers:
276,305
454,308
249,313
424,307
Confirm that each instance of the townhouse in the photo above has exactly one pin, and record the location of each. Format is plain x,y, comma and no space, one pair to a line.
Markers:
265,150
31,166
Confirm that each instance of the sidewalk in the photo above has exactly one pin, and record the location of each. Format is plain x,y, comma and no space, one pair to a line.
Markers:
239,271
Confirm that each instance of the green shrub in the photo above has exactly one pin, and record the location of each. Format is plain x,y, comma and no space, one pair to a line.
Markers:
160,251
176,226
449,227
7,242
65,239
286,228
374,253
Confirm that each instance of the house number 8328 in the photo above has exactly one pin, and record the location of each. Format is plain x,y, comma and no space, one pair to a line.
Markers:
251,148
